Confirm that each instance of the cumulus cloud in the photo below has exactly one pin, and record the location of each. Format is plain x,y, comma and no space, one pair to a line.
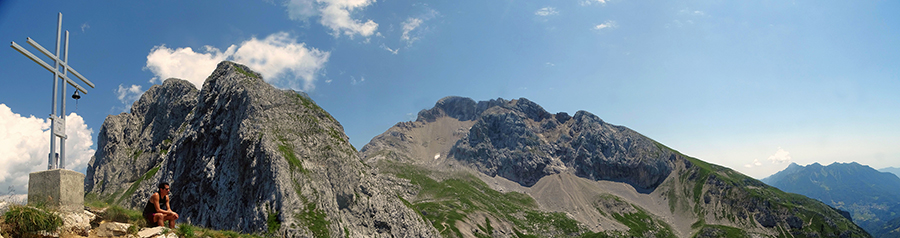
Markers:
781,156
334,14
546,11
25,142
127,95
184,63
283,61
606,25
85,26
280,59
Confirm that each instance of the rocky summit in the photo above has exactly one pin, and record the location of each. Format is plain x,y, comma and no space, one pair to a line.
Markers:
242,155
509,168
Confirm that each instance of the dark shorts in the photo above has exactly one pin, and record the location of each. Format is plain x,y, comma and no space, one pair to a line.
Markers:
149,217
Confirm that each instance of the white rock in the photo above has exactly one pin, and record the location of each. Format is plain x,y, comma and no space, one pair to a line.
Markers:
77,222
107,229
151,232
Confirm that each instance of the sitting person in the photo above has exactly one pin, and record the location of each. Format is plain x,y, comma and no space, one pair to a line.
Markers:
158,210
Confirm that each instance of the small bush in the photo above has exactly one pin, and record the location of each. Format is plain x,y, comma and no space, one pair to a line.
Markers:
186,231
21,221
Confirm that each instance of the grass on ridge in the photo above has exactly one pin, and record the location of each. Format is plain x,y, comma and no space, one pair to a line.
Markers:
443,203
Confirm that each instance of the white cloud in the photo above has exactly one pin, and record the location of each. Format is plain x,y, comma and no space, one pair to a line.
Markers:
408,26
353,80
282,61
279,58
127,95
754,164
85,26
25,142
780,156
606,25
184,63
546,11
300,10
590,2
335,14
691,13
393,51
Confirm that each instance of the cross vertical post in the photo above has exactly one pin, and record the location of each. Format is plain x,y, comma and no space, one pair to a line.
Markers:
60,71
51,163
57,186
62,140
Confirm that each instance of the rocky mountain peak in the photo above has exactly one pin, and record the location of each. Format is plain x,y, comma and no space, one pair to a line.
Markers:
595,172
520,141
242,155
466,109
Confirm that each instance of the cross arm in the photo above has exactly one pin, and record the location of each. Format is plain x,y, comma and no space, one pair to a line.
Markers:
40,62
63,63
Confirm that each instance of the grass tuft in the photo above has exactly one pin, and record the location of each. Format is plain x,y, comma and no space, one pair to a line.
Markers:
23,221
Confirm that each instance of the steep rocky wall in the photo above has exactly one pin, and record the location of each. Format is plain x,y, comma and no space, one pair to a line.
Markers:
131,144
520,141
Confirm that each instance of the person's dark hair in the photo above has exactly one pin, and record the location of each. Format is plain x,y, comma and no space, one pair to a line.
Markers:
162,185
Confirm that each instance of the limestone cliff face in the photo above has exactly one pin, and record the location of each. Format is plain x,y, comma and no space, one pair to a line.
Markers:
522,142
130,144
243,155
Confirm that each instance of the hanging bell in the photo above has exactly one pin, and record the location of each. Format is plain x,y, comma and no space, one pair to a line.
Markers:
76,96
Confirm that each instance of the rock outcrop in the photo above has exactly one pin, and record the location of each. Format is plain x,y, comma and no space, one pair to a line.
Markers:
522,142
242,155
131,144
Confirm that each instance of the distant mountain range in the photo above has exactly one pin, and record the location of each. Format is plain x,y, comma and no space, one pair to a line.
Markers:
893,170
871,197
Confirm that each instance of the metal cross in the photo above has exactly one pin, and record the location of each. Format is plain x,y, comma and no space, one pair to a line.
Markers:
59,123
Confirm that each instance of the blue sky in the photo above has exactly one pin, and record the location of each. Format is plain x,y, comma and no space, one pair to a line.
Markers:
751,85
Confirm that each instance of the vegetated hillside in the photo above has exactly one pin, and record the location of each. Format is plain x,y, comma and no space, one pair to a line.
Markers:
242,155
508,168
871,197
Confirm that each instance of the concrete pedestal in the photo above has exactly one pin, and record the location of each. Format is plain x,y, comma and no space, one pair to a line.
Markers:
57,188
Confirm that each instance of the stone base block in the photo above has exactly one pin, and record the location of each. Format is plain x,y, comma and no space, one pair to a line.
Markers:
57,188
